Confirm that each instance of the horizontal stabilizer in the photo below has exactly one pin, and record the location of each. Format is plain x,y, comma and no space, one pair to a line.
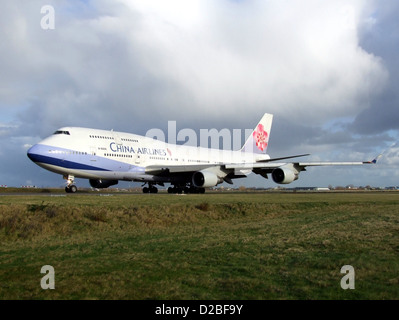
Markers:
289,157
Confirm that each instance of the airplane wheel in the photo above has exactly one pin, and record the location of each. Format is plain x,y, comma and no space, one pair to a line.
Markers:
71,189
170,190
194,190
154,190
146,190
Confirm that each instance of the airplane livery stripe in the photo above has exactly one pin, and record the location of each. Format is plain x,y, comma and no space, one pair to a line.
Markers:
63,163
64,158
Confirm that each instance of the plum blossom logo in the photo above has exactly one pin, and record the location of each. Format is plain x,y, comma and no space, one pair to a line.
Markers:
260,136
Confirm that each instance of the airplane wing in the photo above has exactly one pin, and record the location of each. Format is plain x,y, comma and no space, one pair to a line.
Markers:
285,173
165,170
282,172
162,170
262,164
302,165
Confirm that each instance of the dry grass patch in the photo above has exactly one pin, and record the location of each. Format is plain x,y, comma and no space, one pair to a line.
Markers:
238,246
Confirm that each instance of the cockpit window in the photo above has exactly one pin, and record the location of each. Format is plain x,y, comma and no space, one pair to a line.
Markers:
62,132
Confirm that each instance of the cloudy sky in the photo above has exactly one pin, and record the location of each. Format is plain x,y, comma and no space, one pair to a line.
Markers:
327,70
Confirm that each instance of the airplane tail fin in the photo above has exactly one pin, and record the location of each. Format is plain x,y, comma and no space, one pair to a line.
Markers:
258,141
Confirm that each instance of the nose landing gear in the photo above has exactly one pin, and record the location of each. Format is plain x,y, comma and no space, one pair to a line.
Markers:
70,188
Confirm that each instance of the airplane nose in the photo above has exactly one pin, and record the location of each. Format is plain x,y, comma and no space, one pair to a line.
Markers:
34,153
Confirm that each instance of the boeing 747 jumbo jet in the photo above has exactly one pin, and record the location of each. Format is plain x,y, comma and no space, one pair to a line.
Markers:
105,157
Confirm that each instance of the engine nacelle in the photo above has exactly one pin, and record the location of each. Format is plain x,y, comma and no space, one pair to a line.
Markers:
98,184
284,175
205,179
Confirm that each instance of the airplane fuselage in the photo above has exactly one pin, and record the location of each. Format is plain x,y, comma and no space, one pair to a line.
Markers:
109,155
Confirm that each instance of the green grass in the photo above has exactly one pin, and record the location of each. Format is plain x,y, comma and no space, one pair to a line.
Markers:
213,246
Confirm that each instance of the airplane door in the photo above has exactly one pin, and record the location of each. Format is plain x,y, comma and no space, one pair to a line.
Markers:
116,137
93,151
137,160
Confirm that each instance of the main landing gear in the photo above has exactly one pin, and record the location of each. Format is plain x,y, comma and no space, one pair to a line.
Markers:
70,188
176,189
186,189
150,189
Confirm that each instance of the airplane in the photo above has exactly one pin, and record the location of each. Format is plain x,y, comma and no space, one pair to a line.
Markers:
106,157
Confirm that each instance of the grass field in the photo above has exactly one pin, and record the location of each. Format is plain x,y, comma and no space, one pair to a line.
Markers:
212,246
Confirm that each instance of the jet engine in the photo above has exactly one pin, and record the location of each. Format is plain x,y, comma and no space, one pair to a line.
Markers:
98,184
285,175
205,179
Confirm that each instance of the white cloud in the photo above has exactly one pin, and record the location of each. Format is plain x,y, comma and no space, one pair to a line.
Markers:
297,59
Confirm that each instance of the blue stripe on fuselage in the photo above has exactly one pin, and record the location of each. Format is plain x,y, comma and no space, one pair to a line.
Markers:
63,158
62,163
